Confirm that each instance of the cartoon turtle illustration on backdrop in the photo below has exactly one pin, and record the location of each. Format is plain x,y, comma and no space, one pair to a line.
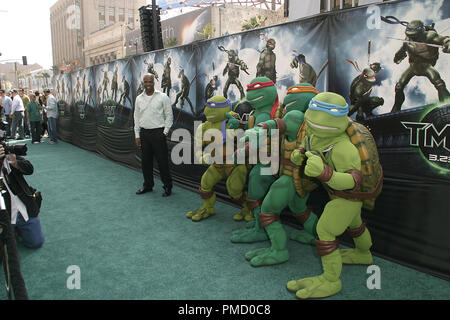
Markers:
166,82
77,89
307,74
360,89
211,87
151,69
99,95
90,97
184,92
234,65
83,87
105,85
126,92
114,84
266,66
58,88
422,45
63,90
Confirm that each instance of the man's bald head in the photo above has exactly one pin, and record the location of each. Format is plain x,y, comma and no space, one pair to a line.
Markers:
148,75
149,83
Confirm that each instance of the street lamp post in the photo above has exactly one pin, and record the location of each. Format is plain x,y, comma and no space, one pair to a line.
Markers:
135,43
124,37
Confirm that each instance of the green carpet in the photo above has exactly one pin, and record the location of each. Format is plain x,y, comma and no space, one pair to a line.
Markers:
143,247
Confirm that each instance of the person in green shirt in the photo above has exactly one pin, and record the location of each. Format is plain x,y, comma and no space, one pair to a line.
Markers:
34,119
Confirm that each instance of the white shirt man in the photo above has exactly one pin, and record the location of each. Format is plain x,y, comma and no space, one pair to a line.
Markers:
17,104
52,106
152,121
52,115
151,112
17,114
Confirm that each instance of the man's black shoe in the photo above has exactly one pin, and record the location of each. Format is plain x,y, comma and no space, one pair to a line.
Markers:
167,192
144,190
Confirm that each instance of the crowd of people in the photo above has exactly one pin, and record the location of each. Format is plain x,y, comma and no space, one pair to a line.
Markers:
31,115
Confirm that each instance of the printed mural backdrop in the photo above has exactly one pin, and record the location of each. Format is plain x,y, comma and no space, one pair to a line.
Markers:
395,86
83,109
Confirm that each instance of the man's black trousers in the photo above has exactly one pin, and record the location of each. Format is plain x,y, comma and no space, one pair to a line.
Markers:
154,144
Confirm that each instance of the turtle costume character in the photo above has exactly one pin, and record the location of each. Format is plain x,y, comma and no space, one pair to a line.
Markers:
422,59
291,189
263,97
236,175
342,155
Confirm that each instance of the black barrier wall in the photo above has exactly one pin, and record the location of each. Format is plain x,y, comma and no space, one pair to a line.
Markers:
362,54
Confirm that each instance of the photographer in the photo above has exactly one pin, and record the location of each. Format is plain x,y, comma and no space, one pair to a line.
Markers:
20,199
9,259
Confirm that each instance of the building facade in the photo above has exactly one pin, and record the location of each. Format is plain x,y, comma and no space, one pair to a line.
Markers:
308,8
66,31
192,26
87,32
106,23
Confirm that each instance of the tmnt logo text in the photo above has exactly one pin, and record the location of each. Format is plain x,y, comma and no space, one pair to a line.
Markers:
429,136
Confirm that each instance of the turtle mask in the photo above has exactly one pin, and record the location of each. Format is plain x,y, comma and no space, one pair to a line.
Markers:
415,30
270,44
327,115
293,120
261,92
299,96
216,109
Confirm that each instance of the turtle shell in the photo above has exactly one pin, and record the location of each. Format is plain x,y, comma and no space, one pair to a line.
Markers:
280,112
371,168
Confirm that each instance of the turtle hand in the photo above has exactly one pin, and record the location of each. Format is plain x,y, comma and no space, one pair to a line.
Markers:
314,165
297,157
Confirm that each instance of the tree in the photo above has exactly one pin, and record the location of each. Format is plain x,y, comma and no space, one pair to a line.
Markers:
55,69
21,77
45,75
206,32
2,81
253,23
28,77
170,42
38,77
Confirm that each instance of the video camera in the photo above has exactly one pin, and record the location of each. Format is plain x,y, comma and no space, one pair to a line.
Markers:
18,149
